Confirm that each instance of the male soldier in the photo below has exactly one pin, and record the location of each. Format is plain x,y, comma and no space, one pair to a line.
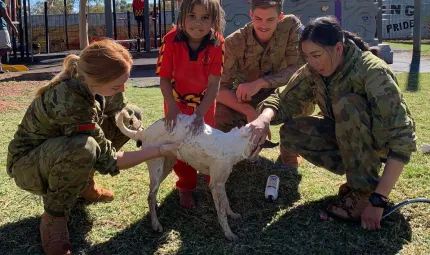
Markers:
260,57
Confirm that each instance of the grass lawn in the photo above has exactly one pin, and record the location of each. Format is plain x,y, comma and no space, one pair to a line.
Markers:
290,225
408,45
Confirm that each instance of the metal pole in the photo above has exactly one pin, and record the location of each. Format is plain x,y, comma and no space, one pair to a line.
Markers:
379,21
108,18
173,12
27,53
159,18
128,28
31,31
65,24
164,15
115,34
417,27
13,17
146,35
21,32
45,4
154,20
128,25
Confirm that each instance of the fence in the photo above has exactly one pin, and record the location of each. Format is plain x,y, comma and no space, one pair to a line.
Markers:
357,16
96,29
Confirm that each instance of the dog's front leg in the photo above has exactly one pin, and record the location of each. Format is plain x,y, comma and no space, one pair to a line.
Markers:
157,174
220,205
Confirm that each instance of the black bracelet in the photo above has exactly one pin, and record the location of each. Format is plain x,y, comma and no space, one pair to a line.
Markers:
380,195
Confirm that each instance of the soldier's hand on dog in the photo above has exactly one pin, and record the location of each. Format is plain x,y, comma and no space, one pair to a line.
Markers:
252,115
245,91
171,116
260,129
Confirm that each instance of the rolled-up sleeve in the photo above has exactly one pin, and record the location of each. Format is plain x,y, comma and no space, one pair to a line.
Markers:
291,101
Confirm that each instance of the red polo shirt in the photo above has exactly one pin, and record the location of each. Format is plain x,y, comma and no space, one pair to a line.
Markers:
189,70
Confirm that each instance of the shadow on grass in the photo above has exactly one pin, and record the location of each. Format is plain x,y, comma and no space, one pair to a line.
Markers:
42,76
23,237
198,231
265,227
414,73
276,228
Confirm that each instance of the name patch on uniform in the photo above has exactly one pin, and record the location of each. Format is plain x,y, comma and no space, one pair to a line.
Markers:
87,128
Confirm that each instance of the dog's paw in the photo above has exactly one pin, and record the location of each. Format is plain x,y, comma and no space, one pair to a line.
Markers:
234,215
231,237
157,226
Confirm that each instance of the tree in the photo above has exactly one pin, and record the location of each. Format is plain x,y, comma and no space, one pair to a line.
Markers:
54,7
96,6
123,6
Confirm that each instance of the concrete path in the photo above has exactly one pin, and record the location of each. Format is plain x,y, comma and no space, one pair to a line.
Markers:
143,72
403,59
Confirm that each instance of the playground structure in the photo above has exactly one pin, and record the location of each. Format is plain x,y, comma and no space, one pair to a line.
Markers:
62,33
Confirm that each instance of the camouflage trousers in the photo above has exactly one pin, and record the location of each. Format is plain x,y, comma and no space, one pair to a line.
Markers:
344,145
59,169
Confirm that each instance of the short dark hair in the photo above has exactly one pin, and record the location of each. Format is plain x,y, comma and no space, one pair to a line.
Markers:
265,4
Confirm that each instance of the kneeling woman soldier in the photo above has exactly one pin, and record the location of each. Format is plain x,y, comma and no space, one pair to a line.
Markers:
364,119
69,131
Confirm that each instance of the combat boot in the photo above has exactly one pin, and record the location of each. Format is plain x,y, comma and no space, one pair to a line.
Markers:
290,159
344,189
350,206
54,235
94,193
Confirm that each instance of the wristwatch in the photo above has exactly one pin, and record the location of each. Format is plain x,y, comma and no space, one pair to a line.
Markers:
378,200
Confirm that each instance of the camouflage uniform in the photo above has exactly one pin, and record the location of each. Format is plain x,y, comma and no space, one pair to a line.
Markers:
246,60
363,120
65,133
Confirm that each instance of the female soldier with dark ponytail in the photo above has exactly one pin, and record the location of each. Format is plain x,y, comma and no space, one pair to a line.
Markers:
364,120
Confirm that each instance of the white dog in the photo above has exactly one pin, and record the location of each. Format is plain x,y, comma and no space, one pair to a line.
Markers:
212,153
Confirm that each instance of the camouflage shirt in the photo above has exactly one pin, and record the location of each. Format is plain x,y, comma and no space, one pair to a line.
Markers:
363,74
64,110
246,60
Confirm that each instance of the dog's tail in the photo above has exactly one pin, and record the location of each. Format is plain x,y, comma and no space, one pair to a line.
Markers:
120,123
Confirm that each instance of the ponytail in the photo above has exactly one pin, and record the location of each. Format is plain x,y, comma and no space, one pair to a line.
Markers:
70,70
357,40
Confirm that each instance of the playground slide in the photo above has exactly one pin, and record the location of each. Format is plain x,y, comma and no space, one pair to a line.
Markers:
15,68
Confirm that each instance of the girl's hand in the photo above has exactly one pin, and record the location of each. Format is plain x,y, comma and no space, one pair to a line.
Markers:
171,117
259,129
197,126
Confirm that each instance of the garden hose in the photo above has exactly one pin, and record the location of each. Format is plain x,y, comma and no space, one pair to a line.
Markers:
401,204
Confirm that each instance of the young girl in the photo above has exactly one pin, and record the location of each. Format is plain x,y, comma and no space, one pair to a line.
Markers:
364,122
69,130
190,65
